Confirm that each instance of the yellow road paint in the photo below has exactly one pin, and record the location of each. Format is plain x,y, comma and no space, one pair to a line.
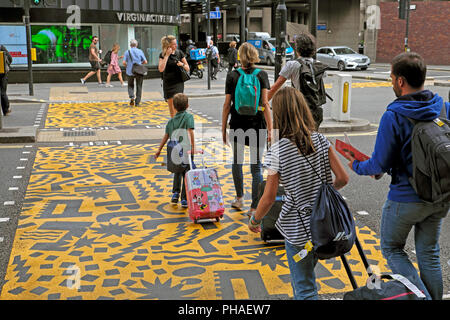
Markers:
72,115
97,223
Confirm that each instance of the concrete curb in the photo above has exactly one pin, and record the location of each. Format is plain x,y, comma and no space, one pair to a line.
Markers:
330,125
18,134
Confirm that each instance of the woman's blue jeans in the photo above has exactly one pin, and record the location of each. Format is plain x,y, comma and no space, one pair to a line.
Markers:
303,278
255,169
397,220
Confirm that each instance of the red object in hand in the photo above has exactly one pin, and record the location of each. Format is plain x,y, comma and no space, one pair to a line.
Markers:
344,149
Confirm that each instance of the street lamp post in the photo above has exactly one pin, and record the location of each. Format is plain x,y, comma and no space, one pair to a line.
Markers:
314,17
280,18
208,49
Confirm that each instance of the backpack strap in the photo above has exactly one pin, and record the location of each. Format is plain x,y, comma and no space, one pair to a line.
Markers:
241,72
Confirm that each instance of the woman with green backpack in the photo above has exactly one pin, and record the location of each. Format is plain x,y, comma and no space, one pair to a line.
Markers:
250,121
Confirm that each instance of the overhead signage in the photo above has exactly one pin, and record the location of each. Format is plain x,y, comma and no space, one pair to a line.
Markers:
215,15
147,18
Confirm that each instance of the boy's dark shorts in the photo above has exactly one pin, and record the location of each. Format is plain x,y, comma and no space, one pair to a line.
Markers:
95,65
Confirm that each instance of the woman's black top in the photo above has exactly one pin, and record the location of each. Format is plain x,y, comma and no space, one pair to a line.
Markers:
172,74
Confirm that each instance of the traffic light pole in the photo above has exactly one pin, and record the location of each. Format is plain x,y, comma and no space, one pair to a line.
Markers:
280,55
26,20
208,53
242,33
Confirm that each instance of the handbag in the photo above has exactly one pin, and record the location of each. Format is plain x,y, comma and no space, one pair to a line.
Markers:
137,68
184,74
332,226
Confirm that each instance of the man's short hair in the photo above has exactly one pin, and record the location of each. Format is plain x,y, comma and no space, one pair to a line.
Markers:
133,43
180,102
410,66
94,37
305,44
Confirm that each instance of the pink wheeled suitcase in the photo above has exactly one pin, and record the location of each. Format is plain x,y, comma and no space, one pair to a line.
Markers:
204,194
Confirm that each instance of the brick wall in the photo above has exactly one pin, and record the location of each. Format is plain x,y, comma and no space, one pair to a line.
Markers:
429,32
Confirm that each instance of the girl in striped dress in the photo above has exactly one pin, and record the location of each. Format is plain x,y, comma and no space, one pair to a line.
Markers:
296,153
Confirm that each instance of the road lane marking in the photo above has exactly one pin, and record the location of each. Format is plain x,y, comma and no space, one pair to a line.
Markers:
4,219
362,213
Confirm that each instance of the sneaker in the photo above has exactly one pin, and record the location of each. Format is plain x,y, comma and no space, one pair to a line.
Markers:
109,85
132,102
175,198
8,112
83,81
184,203
238,203
124,84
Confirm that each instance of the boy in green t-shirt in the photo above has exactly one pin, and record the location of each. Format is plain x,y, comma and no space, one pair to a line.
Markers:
184,121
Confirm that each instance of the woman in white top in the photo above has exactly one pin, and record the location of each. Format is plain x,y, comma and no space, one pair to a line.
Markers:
291,161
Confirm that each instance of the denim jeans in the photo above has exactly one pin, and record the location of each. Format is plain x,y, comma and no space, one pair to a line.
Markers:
397,221
303,278
255,169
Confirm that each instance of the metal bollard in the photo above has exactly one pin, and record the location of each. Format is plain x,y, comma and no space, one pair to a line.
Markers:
342,94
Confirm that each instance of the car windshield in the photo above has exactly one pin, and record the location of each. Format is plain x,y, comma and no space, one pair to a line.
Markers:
344,51
273,42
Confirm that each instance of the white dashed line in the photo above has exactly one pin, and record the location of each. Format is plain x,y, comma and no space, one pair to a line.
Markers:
4,219
13,188
362,213
9,203
17,177
23,159
20,168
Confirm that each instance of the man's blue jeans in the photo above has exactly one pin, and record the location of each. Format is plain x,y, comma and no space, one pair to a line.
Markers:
303,278
397,221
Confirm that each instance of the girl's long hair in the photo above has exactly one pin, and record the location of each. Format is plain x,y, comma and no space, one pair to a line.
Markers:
115,48
166,42
293,119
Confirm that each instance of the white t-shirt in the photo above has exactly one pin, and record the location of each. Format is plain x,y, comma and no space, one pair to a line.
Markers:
300,182
291,71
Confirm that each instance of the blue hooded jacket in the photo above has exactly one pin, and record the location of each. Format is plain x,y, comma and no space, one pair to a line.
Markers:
392,153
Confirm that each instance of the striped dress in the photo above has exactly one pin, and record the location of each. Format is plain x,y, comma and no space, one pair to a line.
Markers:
300,183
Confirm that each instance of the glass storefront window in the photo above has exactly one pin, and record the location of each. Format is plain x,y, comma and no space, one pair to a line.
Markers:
149,39
110,34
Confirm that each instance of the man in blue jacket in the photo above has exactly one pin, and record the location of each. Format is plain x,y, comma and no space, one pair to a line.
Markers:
392,154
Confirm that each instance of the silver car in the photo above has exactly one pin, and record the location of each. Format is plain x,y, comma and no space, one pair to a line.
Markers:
342,58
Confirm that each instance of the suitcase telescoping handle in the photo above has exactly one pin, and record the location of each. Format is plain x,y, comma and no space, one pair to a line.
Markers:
364,260
195,152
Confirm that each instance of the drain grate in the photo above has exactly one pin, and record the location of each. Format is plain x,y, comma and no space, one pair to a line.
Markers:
78,133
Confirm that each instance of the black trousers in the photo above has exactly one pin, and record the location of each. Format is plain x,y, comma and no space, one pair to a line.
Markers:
214,67
4,97
139,81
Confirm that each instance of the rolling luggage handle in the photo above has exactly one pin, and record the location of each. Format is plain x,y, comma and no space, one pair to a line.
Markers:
190,158
364,260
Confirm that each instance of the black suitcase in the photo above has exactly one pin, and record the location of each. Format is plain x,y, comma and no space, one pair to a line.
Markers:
269,233
399,288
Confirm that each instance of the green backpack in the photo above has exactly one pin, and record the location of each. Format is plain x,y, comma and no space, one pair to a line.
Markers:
247,93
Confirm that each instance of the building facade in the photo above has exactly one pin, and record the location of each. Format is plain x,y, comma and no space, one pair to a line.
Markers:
61,30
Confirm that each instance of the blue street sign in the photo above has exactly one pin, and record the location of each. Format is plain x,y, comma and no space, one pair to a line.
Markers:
215,15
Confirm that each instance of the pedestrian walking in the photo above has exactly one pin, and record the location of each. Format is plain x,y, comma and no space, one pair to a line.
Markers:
170,61
181,129
114,67
293,161
215,60
94,60
134,56
4,81
232,56
246,130
404,209
294,70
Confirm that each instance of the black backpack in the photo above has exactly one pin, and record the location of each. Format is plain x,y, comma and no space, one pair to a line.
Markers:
430,147
107,57
311,82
